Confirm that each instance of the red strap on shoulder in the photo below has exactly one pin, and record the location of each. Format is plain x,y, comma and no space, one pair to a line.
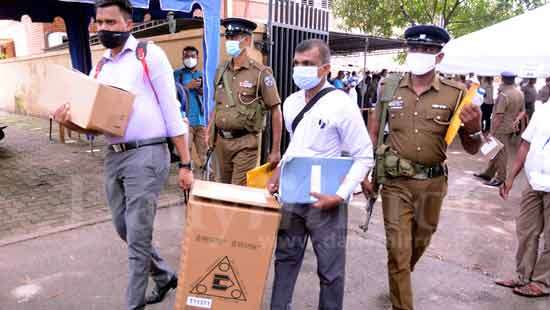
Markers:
99,67
141,53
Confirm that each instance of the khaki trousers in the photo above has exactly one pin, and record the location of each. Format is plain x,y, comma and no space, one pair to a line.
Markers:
197,138
498,166
411,215
532,222
235,157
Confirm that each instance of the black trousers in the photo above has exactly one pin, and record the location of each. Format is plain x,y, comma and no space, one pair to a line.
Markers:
327,230
486,112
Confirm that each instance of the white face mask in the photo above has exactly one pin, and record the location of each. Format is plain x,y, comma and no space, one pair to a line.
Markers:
190,62
233,48
420,63
305,77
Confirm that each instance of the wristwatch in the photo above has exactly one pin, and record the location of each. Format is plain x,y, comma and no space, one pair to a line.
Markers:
185,166
475,135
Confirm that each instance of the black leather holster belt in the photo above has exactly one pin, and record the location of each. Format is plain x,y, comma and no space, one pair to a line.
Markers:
424,173
233,134
123,147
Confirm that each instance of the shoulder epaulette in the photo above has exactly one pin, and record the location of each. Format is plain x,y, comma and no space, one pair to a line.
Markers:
452,83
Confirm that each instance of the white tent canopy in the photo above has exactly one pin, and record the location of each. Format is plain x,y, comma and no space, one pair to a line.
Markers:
520,44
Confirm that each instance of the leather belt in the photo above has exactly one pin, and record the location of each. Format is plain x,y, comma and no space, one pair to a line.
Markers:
233,134
123,147
424,173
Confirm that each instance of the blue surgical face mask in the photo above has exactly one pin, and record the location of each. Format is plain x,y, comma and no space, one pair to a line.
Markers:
306,77
232,47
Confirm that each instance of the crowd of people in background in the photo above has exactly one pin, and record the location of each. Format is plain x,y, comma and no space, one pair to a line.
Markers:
411,144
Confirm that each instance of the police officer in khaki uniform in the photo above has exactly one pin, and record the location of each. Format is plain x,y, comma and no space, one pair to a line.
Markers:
530,95
245,91
508,111
544,92
419,114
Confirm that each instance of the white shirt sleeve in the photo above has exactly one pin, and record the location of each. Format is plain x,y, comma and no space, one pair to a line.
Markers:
162,77
356,141
529,132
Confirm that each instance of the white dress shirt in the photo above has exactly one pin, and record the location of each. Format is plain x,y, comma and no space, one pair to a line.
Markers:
333,125
537,163
149,119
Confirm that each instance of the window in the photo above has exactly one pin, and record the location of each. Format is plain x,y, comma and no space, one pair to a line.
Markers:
56,38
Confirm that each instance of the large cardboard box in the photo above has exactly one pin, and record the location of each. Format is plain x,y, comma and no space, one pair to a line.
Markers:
93,105
228,243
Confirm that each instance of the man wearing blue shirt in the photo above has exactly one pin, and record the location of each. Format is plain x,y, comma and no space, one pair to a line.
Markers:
339,80
190,80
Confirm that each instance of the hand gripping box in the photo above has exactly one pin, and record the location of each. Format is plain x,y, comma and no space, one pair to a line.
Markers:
227,247
94,105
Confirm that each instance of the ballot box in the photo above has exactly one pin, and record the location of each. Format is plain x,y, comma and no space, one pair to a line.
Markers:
227,246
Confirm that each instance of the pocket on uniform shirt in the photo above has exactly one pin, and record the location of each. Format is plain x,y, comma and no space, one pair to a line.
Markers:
247,95
440,117
397,120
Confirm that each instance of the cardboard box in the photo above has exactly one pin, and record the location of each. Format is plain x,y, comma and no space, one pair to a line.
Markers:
228,243
93,105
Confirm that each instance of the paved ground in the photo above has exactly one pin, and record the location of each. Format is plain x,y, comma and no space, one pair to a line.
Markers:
85,268
46,186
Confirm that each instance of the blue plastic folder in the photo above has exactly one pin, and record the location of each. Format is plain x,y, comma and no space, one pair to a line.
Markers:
302,175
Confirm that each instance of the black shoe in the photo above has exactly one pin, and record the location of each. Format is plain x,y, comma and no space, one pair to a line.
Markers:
482,176
158,293
495,183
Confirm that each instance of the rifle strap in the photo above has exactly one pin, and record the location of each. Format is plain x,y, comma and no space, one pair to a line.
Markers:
227,86
391,83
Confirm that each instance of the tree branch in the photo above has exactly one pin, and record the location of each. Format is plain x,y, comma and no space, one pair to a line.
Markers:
407,16
452,12
444,11
434,11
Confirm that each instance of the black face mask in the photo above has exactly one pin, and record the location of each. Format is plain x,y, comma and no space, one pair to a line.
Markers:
112,39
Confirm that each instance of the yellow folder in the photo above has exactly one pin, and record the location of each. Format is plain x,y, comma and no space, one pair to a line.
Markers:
259,176
454,126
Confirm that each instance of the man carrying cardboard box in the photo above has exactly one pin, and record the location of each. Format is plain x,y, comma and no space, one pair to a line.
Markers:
323,122
137,165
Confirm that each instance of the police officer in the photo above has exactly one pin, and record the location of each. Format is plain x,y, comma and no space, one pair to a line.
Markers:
530,95
245,91
419,112
533,221
544,92
508,111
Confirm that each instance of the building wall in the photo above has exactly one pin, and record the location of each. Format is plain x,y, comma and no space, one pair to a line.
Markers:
27,36
20,91
256,10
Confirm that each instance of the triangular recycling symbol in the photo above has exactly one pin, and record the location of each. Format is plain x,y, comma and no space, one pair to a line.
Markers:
220,281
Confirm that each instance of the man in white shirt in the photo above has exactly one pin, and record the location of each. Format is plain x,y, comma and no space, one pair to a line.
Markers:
334,124
532,267
137,165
